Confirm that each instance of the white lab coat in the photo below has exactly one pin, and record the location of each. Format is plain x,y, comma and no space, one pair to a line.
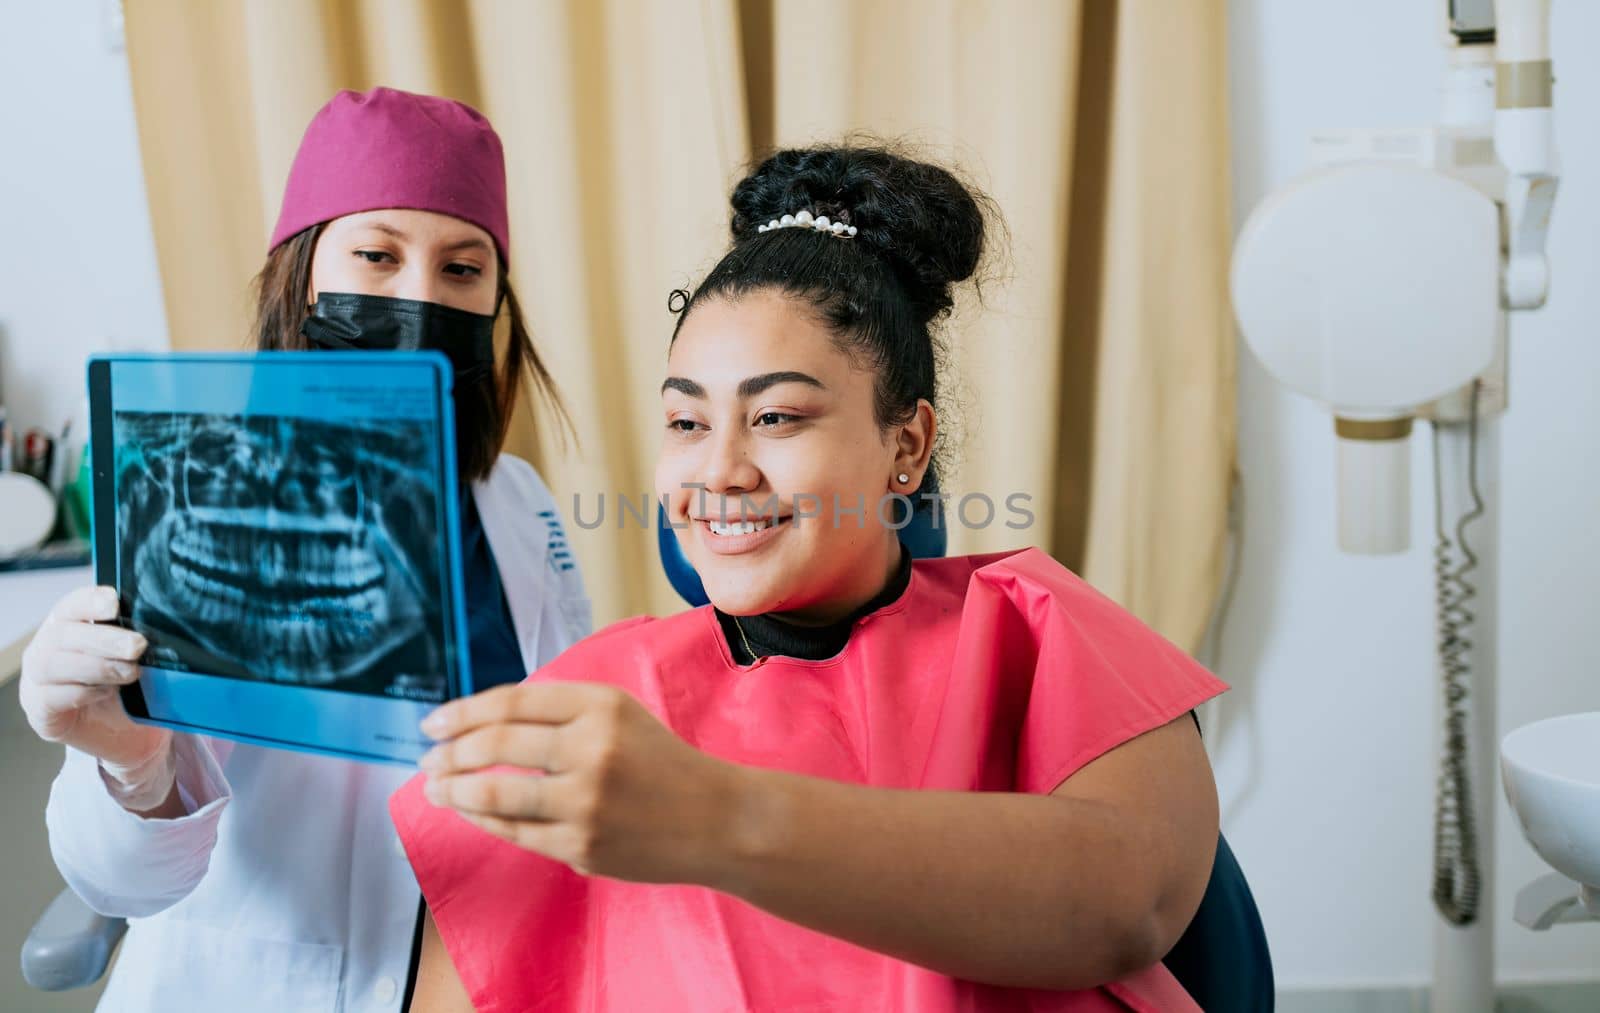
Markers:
285,888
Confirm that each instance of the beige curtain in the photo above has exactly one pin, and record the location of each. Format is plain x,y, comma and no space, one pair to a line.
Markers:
1096,377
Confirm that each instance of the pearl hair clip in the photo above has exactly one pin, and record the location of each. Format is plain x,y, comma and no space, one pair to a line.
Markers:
804,220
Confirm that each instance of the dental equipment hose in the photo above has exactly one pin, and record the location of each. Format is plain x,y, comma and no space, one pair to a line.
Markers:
1457,878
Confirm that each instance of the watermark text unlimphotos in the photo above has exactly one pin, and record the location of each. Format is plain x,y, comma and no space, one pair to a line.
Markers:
973,510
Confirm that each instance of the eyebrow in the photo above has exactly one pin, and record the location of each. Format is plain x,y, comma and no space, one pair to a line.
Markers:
388,230
473,243
748,387
683,386
470,243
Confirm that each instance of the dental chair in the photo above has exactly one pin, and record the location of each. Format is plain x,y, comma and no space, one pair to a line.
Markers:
1221,959
70,945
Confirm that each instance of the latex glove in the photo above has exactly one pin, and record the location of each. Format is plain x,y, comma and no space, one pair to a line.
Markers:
71,675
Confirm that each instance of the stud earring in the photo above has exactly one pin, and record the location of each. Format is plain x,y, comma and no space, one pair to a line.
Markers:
903,477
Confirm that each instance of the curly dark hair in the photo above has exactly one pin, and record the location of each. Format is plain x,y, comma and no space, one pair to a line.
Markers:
920,231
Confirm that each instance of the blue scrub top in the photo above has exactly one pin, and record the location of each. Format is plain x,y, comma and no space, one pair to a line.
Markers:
491,641
491,637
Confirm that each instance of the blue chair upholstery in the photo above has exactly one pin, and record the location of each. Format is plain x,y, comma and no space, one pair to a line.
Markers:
1222,958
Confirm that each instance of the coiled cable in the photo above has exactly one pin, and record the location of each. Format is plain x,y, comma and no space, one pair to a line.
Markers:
1457,878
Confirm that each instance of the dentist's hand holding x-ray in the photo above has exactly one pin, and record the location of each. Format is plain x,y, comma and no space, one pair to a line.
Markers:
72,673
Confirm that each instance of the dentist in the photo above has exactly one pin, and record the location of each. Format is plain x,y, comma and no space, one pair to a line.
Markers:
259,879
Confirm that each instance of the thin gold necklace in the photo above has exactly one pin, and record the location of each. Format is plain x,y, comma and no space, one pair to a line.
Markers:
748,649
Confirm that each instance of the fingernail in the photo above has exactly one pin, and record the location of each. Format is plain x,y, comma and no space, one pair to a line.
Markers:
430,790
436,723
429,760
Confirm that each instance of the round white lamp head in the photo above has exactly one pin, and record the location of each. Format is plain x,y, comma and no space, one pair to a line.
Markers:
1373,288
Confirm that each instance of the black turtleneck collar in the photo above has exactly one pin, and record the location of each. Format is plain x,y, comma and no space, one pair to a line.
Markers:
773,637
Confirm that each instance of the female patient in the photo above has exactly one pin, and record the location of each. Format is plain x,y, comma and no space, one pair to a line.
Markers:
853,782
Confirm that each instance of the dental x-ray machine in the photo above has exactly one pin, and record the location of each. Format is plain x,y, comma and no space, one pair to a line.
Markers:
1379,284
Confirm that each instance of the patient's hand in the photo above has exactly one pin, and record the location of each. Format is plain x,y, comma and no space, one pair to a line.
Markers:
621,795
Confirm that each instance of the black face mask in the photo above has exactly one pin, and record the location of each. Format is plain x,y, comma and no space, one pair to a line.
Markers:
342,321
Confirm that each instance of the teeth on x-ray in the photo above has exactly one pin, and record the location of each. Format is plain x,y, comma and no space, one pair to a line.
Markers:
298,551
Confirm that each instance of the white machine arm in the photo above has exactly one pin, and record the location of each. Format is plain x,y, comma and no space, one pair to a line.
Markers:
1524,140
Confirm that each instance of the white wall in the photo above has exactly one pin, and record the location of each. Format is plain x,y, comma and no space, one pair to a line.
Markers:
77,263
1326,762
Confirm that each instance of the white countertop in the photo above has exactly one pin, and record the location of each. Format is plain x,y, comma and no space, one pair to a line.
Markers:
25,599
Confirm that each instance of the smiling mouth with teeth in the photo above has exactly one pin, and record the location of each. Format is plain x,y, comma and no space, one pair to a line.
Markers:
740,527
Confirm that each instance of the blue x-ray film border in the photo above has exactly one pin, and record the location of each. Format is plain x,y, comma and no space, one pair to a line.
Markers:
304,719
309,720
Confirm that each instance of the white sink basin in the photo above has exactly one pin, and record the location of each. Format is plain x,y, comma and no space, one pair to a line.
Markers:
1551,771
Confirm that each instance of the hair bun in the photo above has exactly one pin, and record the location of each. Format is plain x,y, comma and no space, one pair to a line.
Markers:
923,221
